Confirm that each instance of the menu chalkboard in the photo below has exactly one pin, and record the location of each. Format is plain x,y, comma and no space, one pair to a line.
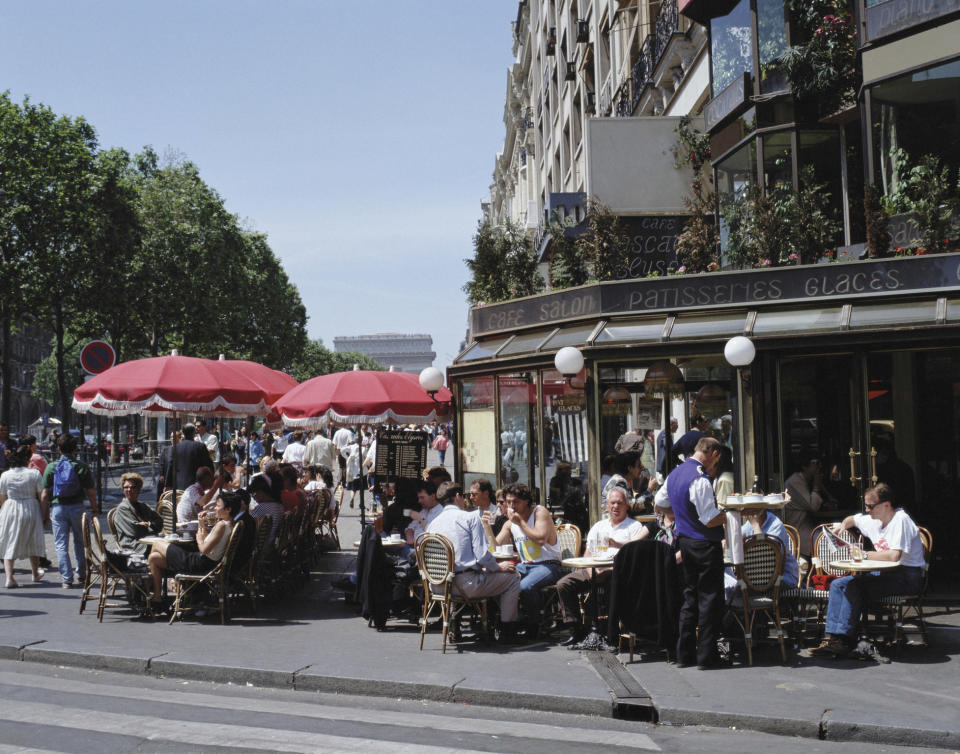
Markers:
400,453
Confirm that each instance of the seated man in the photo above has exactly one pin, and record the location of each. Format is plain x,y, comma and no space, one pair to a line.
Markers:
760,521
895,539
198,495
133,519
478,573
429,510
532,532
614,532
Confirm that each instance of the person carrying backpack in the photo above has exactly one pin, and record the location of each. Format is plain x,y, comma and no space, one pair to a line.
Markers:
67,488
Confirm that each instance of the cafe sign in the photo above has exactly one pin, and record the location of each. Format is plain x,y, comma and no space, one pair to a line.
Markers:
774,285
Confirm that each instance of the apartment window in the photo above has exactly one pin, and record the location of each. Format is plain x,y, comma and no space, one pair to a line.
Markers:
731,47
772,39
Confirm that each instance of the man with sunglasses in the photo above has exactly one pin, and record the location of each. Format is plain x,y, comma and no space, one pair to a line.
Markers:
895,538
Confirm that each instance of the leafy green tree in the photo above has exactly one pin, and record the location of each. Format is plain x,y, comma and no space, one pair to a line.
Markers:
520,259
316,359
604,244
47,174
488,279
568,266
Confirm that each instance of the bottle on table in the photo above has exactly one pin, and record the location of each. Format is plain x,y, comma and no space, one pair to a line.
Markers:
756,485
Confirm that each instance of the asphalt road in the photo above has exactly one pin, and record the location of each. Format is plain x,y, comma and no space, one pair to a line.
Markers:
50,708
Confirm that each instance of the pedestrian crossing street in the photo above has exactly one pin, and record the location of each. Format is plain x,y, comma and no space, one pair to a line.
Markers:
41,713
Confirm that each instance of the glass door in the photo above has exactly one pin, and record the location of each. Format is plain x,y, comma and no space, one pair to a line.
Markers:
820,417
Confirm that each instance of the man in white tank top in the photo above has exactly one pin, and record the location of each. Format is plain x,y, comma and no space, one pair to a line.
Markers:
532,533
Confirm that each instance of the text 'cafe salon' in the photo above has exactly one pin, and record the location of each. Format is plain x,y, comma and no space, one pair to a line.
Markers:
855,364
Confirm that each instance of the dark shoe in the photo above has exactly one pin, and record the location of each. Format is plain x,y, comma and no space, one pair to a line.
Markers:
532,631
509,634
575,638
685,662
834,646
45,563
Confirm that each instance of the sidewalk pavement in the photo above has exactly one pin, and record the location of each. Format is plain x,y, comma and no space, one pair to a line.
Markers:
313,641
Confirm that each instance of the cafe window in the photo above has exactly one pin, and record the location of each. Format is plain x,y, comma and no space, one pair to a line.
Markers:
711,326
918,113
624,407
565,455
792,321
524,343
517,443
632,331
478,430
569,336
482,349
777,160
893,315
772,40
731,46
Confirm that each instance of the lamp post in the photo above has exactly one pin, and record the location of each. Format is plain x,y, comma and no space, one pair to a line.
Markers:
740,352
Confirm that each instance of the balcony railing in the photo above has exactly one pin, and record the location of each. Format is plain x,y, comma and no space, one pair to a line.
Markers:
651,52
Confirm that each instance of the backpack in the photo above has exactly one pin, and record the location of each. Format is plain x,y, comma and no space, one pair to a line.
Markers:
66,483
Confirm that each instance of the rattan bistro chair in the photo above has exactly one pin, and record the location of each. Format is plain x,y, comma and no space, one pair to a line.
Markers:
92,572
435,559
217,580
570,543
758,588
899,606
113,575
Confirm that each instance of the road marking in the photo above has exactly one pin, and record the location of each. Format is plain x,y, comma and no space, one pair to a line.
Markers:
203,733
538,731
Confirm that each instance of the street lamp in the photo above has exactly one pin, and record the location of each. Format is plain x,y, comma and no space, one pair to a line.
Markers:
739,351
431,380
569,362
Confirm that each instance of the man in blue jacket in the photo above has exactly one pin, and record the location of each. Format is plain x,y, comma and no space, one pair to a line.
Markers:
699,526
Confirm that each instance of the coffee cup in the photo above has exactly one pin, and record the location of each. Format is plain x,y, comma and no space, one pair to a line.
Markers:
395,537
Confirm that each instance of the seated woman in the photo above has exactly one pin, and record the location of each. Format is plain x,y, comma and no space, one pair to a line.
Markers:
212,538
292,496
265,489
133,519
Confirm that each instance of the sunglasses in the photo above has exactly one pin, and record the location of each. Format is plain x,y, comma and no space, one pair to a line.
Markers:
871,506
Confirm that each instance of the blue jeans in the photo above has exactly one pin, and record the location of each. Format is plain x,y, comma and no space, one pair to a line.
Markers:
533,576
67,520
849,593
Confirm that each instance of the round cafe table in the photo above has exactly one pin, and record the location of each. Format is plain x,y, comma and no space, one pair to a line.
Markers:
864,566
387,542
594,640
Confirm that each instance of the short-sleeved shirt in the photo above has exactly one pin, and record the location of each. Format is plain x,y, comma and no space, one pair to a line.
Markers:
773,527
83,473
900,534
626,530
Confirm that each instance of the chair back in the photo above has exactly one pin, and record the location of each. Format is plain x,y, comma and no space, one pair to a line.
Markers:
85,527
167,514
226,562
762,566
794,537
435,560
111,522
570,540
264,526
822,552
927,538
97,547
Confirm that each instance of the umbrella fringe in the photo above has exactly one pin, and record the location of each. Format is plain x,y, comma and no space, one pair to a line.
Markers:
332,417
160,406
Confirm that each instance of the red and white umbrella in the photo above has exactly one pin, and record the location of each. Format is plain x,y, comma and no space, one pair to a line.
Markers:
168,385
362,397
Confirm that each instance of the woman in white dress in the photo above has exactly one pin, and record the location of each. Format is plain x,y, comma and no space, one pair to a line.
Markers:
21,519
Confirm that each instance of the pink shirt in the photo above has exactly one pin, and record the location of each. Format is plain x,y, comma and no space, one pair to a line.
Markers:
37,462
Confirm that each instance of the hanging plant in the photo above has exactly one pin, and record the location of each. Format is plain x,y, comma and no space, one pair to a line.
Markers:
823,68
698,243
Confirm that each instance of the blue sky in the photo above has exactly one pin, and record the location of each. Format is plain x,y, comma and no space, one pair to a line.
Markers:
359,136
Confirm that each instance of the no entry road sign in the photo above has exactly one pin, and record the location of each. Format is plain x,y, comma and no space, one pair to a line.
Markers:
97,356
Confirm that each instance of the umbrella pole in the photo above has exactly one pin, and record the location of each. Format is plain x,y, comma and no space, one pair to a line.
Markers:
173,470
363,510
99,464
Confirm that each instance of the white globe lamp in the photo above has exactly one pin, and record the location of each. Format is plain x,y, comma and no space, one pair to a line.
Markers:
568,361
431,380
739,351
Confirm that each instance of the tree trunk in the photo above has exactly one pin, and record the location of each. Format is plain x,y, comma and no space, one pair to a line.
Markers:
5,364
63,395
